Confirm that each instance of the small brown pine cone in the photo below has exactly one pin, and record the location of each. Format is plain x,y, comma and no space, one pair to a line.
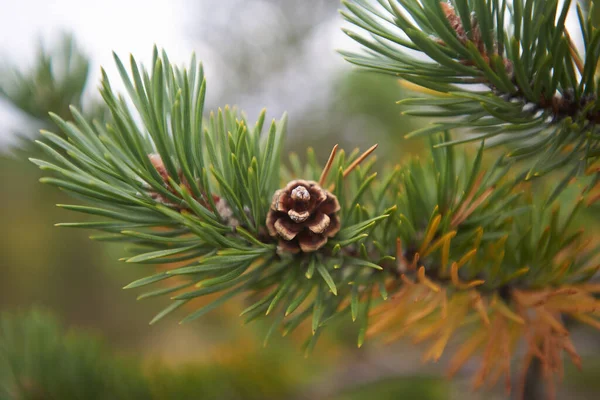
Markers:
303,216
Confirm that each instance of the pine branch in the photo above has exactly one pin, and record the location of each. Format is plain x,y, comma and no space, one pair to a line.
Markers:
427,249
195,194
539,95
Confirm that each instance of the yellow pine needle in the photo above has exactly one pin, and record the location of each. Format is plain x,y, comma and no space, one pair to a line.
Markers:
488,359
328,165
395,336
478,236
460,309
437,349
389,312
480,307
424,280
552,322
422,293
427,331
500,243
586,319
466,350
430,233
503,309
516,274
458,283
382,323
578,303
530,299
540,298
424,312
444,304
468,256
445,258
440,242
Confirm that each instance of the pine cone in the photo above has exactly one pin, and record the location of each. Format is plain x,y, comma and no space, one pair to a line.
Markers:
303,216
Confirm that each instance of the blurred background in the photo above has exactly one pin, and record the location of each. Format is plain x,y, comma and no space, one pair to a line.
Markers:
257,53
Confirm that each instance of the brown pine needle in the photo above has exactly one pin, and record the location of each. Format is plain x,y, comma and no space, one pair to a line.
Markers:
328,165
468,199
574,53
402,262
461,217
480,308
359,160
503,309
415,260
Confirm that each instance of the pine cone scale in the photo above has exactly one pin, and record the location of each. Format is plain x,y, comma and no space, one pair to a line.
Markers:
319,223
334,227
310,242
286,229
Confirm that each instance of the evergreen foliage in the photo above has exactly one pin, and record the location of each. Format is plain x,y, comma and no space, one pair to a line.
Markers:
41,359
57,81
432,249
507,72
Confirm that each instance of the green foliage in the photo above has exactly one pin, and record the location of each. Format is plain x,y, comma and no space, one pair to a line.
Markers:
452,236
414,387
57,80
192,194
507,74
39,360
261,375
215,168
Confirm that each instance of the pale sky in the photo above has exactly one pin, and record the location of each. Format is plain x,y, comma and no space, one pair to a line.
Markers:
99,27
134,26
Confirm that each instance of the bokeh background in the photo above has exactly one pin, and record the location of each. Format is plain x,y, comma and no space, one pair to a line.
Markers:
276,54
